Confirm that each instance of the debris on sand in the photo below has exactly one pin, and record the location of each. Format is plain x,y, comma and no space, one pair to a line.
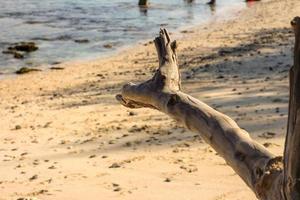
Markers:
108,46
33,177
24,46
57,68
267,135
115,165
17,48
82,41
25,70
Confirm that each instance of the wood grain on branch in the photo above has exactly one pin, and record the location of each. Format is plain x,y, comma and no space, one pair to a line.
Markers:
292,143
261,170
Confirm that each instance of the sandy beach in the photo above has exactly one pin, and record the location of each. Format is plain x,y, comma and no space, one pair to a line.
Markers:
64,136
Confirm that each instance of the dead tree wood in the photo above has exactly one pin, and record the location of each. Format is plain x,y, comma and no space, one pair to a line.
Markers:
261,170
292,143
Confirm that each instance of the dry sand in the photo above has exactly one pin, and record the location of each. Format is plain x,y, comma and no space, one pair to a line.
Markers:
63,135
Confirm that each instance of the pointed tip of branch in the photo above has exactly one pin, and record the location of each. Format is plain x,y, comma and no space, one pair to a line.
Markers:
295,23
163,39
127,103
168,67
164,34
164,44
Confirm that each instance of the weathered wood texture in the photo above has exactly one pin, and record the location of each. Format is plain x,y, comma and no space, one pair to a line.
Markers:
292,143
261,170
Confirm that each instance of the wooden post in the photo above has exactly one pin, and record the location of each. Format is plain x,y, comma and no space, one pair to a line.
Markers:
143,3
292,144
212,2
267,175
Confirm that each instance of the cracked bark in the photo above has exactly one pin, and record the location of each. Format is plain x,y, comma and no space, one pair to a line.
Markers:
268,176
292,143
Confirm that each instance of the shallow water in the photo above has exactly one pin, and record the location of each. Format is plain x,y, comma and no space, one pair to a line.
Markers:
55,25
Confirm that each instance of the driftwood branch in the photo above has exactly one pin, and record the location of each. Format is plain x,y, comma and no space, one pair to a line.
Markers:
261,170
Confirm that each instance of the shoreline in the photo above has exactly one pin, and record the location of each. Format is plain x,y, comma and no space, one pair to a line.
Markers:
64,136
178,33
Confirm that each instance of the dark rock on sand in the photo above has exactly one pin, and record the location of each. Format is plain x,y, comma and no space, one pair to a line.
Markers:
24,46
8,52
17,48
167,180
57,68
55,63
269,144
92,156
115,165
108,46
267,135
25,70
33,177
117,189
18,55
82,41
18,127
27,198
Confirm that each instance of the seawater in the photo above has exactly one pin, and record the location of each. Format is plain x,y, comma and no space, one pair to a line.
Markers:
55,25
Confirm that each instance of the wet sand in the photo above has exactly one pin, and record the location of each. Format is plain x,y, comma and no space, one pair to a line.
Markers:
64,136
